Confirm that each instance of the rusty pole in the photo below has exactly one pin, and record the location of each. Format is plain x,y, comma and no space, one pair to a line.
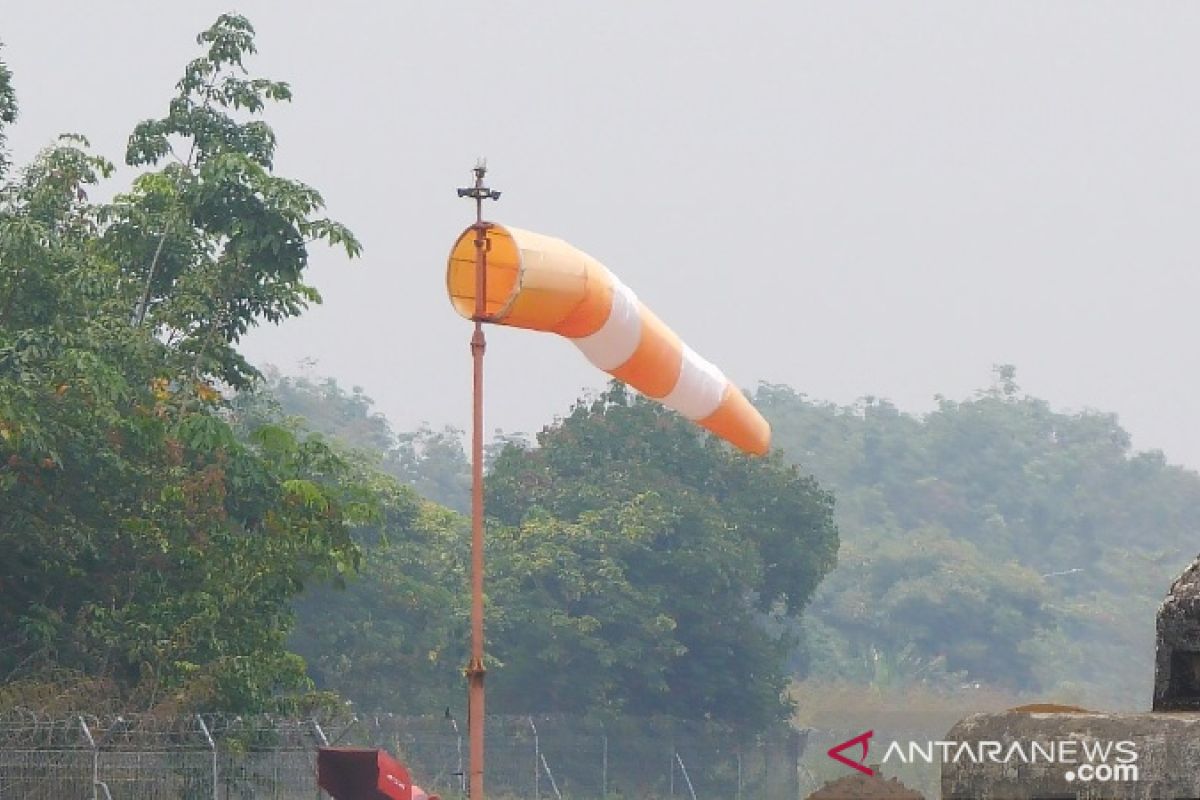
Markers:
475,670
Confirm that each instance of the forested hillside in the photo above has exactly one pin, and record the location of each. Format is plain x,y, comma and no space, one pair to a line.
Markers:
995,539
632,564
179,532
994,543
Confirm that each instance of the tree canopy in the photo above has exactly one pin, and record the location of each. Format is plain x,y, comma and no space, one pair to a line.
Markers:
634,567
646,555
167,512
992,540
148,543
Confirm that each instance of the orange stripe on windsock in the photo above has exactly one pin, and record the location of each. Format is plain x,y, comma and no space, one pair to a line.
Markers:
542,283
592,310
739,423
653,369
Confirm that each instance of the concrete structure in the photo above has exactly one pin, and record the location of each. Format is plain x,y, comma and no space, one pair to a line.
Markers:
1177,660
1081,754
1166,749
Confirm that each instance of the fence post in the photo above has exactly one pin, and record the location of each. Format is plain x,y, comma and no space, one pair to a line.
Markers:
604,769
97,784
687,780
537,757
324,740
95,758
213,747
550,775
739,766
462,776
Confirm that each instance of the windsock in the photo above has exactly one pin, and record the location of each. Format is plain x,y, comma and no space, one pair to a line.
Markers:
544,284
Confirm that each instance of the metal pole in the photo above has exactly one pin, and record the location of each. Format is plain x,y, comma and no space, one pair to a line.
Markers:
462,777
323,741
604,769
686,778
95,759
554,783
475,670
212,746
537,755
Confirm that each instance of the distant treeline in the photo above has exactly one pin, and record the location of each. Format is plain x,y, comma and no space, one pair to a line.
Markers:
634,566
992,543
179,532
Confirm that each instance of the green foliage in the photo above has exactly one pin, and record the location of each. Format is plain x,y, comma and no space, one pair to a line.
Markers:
1011,544
146,544
634,566
638,556
216,241
393,637
432,462
8,111
926,605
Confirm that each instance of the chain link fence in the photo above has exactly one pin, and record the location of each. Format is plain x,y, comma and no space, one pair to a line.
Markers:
214,757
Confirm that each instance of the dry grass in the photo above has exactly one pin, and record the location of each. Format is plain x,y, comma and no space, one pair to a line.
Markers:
60,693
915,709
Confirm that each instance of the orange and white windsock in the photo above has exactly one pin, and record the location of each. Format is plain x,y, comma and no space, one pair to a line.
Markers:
544,284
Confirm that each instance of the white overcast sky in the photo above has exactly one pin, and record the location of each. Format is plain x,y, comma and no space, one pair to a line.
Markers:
850,198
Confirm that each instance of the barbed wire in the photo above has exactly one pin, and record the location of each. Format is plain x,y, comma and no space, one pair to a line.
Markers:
117,731
152,755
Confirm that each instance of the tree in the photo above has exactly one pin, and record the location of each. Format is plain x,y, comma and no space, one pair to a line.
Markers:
1030,546
635,565
8,111
392,636
146,543
937,601
432,462
216,241
638,560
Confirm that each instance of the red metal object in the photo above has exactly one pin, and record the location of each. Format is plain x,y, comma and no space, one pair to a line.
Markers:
352,773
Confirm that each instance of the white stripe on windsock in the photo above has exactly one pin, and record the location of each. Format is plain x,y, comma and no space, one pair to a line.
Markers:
619,336
700,387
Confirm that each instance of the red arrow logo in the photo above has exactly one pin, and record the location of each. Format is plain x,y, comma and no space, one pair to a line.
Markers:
863,739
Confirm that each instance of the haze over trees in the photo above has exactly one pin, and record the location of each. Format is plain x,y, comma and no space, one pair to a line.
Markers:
994,540
161,519
178,532
632,561
992,544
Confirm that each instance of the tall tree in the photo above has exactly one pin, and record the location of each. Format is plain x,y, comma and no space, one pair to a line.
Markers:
392,636
431,461
216,240
8,111
642,558
145,543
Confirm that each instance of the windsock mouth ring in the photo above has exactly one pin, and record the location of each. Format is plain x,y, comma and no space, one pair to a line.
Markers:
503,272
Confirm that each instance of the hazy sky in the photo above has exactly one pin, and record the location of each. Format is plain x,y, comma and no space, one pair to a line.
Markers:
850,198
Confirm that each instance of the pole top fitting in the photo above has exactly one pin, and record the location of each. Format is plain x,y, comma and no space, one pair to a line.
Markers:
479,192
